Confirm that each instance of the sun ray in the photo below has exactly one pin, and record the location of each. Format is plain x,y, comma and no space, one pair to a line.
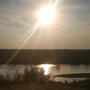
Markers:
29,35
46,16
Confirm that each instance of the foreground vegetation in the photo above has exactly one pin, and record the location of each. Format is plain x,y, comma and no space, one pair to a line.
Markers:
35,79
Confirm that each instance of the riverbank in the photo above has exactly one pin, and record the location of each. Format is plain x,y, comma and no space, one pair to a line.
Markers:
36,80
74,75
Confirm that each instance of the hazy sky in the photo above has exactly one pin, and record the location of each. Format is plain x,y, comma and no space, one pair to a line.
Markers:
69,30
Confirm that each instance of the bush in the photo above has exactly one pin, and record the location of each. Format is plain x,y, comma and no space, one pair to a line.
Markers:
34,75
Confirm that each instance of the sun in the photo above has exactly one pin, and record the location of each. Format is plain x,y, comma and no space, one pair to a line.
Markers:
46,15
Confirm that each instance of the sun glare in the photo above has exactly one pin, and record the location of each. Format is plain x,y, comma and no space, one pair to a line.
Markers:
46,68
46,15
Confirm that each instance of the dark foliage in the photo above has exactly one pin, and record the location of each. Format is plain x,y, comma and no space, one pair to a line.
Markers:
34,75
82,84
30,76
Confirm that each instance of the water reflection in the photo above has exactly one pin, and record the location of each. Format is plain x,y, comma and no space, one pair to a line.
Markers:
46,68
49,69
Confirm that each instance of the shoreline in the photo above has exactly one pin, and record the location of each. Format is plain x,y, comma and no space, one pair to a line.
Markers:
74,75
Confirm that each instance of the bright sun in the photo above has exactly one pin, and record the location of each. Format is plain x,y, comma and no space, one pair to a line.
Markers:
46,15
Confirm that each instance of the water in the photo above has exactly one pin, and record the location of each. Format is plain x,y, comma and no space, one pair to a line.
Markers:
69,69
50,69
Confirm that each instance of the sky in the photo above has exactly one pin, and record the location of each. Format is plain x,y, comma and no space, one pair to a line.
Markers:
69,30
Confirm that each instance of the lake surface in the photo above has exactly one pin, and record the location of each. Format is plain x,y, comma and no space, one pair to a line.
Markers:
49,69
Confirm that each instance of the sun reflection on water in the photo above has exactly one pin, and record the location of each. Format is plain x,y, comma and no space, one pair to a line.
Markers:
46,68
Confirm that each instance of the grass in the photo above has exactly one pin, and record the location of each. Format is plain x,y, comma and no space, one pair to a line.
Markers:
40,86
